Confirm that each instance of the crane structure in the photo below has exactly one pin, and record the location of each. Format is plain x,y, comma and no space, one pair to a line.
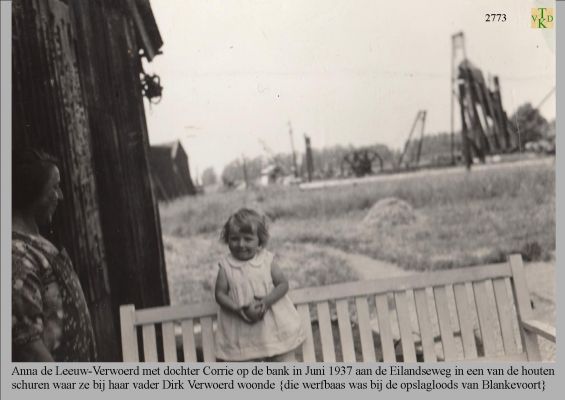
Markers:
420,118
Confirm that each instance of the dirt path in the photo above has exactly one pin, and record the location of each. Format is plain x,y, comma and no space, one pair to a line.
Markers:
368,268
540,279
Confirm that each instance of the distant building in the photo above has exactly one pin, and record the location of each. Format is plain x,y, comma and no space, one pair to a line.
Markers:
271,174
170,172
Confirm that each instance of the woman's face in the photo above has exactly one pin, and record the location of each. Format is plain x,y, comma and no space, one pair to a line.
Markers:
44,207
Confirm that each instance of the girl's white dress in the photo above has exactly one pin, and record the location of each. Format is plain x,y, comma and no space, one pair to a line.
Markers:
280,330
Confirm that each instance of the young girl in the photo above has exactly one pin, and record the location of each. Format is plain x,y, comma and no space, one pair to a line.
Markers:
256,320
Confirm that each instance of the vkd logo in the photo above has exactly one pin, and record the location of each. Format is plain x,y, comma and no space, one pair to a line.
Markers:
542,18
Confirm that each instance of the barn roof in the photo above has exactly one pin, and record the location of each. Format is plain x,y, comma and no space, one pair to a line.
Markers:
146,27
169,148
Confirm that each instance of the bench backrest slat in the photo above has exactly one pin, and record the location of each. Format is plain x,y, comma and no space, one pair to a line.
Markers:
326,334
385,330
487,324
505,311
425,325
465,321
149,343
308,353
128,329
188,342
445,324
208,339
345,334
169,343
366,337
405,327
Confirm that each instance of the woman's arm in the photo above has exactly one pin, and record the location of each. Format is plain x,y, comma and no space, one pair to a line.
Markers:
280,289
33,351
29,305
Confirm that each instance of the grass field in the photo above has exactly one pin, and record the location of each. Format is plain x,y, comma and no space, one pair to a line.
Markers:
462,219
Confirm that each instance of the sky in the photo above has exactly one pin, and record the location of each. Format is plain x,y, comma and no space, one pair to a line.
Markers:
236,72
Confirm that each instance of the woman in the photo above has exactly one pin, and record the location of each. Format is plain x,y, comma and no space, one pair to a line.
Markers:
50,318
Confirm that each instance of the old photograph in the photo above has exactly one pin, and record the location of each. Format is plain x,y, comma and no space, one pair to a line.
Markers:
265,181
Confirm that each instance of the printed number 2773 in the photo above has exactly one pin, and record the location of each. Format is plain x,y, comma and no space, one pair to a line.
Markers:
495,17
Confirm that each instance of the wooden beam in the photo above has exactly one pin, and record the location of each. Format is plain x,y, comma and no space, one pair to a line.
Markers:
149,50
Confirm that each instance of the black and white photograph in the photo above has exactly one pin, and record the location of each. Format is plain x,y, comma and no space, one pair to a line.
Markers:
283,181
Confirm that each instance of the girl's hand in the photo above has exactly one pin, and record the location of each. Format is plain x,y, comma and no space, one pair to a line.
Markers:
243,316
254,311
261,303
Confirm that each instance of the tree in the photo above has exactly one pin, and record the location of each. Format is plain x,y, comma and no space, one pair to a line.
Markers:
209,177
528,124
234,171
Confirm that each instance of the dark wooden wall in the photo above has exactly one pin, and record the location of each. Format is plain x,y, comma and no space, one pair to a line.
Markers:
76,93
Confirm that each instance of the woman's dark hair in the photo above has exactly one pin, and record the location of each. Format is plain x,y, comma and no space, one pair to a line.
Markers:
30,173
247,220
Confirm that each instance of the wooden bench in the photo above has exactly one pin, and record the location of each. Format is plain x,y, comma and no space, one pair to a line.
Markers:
474,313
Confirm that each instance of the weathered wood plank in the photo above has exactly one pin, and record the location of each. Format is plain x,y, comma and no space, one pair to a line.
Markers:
169,343
504,309
175,313
207,339
188,342
345,335
363,288
149,343
130,353
465,321
385,331
424,322
365,332
541,328
523,306
445,328
502,358
308,353
405,327
486,320
326,334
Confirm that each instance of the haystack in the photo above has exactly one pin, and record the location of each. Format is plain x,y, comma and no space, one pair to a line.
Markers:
389,212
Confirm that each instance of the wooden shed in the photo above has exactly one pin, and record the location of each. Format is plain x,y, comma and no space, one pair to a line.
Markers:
170,171
76,93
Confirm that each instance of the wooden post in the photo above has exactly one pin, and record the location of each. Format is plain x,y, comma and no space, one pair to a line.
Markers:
464,130
309,160
497,123
130,352
294,165
502,114
408,140
477,125
419,152
244,166
522,300
482,99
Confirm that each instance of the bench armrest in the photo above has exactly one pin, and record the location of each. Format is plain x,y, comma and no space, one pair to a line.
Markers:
541,328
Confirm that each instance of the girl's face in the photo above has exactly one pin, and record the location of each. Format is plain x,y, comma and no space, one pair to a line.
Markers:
243,242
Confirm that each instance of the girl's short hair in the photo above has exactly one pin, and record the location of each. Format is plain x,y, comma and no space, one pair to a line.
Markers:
30,173
247,219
